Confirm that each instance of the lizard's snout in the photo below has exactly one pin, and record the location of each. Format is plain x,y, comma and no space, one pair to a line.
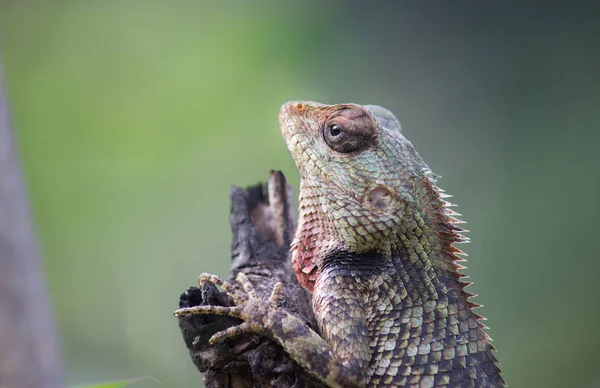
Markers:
296,116
288,113
290,109
294,106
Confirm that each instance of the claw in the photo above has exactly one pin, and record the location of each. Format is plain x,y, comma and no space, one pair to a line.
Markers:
250,307
238,297
242,328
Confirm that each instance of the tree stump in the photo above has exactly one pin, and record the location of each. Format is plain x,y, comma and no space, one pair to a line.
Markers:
263,224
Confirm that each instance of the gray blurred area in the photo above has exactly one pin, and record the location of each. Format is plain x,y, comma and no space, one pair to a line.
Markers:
134,119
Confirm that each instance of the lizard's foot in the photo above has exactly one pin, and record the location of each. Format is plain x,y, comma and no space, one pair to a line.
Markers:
253,310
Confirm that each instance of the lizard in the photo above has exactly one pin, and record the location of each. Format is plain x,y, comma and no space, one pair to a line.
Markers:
375,245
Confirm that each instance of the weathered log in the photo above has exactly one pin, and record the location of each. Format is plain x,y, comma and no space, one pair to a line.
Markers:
263,225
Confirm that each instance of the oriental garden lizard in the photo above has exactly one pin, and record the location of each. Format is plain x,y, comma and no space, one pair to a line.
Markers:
375,246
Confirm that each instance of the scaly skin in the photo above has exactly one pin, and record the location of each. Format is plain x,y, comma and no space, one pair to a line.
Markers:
375,246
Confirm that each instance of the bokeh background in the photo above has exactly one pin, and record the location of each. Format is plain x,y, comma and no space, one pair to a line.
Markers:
134,119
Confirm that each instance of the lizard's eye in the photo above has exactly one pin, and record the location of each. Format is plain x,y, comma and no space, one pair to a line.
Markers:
349,130
335,130
336,137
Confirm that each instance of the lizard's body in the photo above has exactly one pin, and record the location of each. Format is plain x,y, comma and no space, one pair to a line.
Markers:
375,246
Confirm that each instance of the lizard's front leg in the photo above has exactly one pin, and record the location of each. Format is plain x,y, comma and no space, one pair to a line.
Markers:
303,344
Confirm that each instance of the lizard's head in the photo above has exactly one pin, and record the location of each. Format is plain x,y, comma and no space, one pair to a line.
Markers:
357,173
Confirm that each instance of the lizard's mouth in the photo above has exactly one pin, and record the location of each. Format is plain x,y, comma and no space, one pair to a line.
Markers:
286,119
291,124
297,122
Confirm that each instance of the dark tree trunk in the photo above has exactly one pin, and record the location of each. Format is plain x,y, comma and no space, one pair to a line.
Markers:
29,355
263,225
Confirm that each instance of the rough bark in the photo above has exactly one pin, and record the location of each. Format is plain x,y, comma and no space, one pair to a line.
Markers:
29,355
263,226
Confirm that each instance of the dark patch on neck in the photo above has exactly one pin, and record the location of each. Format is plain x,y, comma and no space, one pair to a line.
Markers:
345,259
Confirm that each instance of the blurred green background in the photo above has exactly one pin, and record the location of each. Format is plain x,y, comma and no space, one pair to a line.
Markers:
134,118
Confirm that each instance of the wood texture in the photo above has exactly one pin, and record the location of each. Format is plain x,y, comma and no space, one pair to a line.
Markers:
263,224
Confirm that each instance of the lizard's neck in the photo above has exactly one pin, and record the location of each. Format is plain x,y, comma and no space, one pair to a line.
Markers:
423,228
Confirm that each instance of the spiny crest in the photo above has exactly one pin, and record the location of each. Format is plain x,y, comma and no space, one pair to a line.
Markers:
453,233
456,256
